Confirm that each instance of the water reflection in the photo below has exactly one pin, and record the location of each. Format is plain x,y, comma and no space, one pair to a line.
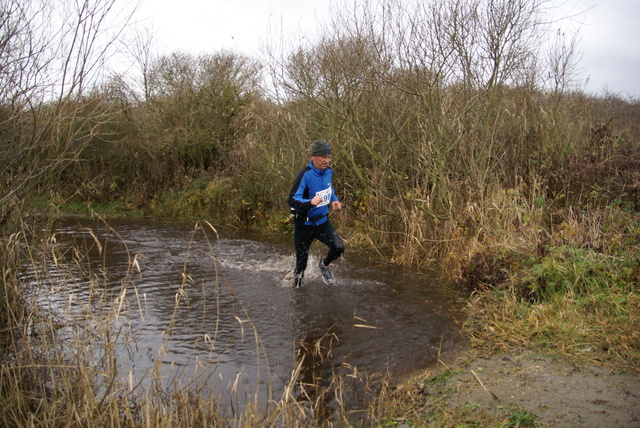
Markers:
195,303
316,378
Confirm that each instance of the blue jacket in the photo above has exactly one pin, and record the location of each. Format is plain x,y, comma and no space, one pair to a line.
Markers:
309,182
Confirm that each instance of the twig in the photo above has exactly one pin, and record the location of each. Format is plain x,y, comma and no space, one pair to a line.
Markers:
439,350
482,385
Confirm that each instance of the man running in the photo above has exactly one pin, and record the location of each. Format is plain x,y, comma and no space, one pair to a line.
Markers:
310,198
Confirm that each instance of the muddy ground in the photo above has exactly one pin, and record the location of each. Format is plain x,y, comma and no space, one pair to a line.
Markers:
558,393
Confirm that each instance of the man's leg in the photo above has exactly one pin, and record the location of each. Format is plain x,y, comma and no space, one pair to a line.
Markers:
330,237
302,239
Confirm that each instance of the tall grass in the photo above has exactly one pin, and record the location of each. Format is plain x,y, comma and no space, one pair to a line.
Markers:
434,152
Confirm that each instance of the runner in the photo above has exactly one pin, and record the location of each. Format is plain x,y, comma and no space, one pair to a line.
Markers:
310,199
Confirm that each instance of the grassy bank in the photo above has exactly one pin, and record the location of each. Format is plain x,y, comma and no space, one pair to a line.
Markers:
540,322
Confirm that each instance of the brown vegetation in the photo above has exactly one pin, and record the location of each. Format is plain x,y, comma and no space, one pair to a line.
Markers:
454,148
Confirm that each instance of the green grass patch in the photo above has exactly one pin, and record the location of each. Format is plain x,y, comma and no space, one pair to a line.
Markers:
574,301
56,207
582,274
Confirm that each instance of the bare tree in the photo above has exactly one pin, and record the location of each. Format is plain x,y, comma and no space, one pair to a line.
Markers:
562,59
50,53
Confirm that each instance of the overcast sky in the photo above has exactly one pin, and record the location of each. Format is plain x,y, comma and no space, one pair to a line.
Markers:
609,31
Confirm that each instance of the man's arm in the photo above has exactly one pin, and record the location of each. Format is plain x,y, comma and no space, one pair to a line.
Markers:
298,200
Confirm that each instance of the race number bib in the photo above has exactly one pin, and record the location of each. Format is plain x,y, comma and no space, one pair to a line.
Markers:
325,195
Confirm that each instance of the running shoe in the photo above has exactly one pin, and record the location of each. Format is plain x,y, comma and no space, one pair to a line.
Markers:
326,273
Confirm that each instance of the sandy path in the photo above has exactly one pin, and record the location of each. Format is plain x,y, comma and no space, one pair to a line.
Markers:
560,394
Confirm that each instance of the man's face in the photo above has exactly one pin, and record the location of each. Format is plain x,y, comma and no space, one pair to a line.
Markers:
321,162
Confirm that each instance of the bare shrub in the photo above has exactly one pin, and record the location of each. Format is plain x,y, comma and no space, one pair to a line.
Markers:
45,122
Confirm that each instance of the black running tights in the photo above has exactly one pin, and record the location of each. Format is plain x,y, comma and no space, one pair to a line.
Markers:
303,237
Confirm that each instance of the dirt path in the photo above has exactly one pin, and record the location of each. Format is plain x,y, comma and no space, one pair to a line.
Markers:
558,393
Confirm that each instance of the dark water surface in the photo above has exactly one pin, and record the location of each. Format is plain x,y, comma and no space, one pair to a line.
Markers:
222,308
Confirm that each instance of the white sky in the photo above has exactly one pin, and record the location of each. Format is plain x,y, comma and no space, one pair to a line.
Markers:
609,32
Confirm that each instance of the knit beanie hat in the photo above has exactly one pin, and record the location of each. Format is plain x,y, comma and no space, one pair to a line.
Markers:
320,148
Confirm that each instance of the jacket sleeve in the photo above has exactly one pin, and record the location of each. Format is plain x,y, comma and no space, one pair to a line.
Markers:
299,200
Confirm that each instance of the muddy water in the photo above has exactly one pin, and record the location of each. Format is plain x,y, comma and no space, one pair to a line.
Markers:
220,308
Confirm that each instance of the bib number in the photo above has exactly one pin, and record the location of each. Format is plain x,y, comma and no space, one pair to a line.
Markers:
325,195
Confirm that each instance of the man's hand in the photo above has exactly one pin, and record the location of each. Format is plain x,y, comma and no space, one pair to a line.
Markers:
316,200
336,205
